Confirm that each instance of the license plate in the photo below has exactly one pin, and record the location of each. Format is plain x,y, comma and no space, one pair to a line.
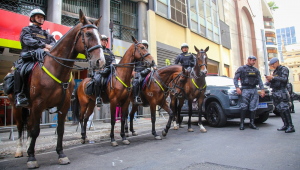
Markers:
262,105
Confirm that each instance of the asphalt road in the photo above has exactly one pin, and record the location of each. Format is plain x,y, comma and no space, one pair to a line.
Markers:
219,148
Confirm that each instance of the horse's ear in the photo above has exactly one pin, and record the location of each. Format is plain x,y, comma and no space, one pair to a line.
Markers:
206,49
134,40
196,49
97,22
82,18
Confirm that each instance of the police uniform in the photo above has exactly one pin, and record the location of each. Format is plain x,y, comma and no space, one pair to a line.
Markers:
186,60
289,87
32,38
250,77
280,95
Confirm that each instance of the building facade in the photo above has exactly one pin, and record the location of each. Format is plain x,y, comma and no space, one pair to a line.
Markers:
285,36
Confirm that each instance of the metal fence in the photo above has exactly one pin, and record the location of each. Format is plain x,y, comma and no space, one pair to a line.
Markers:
23,6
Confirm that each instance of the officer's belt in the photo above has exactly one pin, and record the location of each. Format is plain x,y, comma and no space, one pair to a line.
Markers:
248,87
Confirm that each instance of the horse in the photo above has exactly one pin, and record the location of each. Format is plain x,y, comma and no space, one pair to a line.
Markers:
195,87
155,93
51,84
116,92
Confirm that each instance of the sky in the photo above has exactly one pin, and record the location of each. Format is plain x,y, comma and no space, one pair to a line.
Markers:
287,15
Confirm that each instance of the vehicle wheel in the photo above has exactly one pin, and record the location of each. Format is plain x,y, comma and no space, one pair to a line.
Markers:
262,118
215,115
276,112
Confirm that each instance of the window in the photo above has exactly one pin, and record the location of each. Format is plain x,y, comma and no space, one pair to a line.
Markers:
178,11
162,7
193,12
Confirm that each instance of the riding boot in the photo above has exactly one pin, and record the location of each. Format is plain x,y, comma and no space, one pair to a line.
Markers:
243,114
252,117
20,97
135,91
290,127
285,124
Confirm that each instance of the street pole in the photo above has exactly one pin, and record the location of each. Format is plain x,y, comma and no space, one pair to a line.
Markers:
111,27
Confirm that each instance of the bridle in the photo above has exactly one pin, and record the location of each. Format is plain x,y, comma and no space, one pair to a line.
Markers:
200,72
143,56
173,88
87,51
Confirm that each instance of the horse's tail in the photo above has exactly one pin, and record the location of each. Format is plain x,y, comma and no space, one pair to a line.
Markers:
76,106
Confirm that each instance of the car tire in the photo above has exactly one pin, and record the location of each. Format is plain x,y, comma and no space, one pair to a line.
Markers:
215,115
262,118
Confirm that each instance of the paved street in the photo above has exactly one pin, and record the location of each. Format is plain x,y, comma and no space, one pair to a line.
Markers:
219,148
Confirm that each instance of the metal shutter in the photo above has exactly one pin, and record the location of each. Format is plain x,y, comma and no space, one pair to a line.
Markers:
165,57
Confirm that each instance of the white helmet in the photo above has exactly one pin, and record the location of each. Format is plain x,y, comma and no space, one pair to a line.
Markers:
145,42
36,11
184,45
104,37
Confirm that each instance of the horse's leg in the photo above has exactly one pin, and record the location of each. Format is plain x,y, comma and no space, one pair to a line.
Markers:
126,126
153,119
124,113
179,112
133,110
17,112
112,122
34,131
90,109
200,101
190,102
82,119
62,158
173,106
170,112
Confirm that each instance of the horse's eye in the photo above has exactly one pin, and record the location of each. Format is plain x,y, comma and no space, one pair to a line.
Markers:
88,34
142,48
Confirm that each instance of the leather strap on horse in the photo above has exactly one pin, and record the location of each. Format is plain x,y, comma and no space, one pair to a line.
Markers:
200,90
63,85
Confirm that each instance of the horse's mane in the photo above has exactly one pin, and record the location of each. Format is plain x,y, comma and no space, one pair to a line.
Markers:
57,43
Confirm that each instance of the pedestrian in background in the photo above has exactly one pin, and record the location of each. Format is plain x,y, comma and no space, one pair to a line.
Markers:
278,82
250,77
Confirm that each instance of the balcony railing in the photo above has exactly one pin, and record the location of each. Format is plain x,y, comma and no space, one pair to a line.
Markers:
269,25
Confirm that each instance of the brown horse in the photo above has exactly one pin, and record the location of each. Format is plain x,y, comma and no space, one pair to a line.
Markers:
46,92
155,93
195,87
116,92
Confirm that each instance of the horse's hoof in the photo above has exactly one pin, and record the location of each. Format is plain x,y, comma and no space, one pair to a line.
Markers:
82,141
190,130
134,134
126,142
127,134
180,126
32,164
175,128
18,154
164,133
114,143
203,130
64,161
157,137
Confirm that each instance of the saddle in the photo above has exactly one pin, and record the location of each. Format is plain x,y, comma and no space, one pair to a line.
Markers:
90,86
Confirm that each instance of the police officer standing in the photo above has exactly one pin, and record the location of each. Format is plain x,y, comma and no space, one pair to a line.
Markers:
32,37
185,58
278,82
109,59
250,77
289,88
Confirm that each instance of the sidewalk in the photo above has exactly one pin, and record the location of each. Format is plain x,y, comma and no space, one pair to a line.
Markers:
47,139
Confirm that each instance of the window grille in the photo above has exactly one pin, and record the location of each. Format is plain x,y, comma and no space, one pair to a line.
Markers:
162,7
178,11
23,6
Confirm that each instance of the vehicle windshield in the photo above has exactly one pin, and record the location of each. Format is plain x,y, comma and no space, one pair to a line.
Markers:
219,81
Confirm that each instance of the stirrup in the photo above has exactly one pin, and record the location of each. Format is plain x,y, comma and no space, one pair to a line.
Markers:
138,101
99,102
21,100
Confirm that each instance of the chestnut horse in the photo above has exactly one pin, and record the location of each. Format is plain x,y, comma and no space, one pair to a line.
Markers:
194,88
52,84
117,90
155,93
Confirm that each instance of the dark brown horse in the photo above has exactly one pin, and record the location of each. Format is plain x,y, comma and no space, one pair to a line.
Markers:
155,93
46,92
194,88
116,92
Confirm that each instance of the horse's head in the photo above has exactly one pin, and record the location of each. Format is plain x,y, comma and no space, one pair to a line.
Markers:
88,42
201,60
140,53
179,82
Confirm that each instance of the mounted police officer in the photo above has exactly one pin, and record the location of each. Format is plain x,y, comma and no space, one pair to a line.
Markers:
145,43
32,37
250,77
289,88
186,59
278,82
109,59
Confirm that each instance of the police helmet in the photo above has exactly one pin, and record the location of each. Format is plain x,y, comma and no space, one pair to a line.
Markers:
34,12
145,42
104,37
184,45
